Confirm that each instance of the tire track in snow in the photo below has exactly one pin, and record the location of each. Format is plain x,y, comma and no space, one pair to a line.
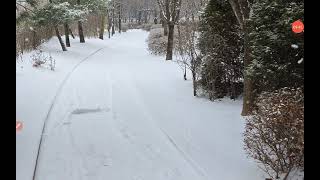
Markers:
52,105
133,84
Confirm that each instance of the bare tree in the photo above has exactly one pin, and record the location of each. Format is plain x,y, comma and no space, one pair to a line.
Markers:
187,51
170,10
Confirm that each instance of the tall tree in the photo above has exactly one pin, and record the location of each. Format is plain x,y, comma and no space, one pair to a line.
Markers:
276,52
170,10
80,28
66,33
119,17
241,9
164,25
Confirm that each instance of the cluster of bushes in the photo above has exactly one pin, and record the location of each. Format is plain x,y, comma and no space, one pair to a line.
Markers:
157,41
274,134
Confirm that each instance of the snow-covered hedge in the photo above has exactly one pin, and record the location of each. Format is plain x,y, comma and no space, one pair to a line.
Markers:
274,134
157,42
124,27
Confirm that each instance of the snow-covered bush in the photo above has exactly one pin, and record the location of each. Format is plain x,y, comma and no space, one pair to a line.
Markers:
155,26
146,27
55,14
124,27
157,42
39,59
274,134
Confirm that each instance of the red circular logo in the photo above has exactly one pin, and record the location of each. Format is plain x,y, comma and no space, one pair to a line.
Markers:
297,26
18,126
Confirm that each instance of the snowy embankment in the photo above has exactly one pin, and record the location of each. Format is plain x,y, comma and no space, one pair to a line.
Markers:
123,114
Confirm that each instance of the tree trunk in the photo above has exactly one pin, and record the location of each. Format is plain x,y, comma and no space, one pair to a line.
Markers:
164,25
248,91
185,73
80,30
113,30
241,10
109,24
194,83
165,28
60,39
71,33
139,17
170,41
34,39
102,24
66,33
119,19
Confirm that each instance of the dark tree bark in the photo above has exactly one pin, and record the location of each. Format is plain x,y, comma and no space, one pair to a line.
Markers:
66,33
194,83
241,10
63,46
170,42
113,30
170,9
139,17
34,39
80,28
165,28
60,39
119,19
71,33
102,24
164,25
185,73
109,24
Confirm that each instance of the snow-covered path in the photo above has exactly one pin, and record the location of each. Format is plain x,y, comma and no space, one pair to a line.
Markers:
123,114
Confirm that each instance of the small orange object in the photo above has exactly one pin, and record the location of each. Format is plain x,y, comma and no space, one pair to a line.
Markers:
19,126
298,26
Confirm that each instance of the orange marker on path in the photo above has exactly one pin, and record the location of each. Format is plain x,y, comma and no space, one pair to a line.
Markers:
18,126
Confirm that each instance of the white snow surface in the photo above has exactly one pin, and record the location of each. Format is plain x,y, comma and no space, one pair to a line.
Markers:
113,111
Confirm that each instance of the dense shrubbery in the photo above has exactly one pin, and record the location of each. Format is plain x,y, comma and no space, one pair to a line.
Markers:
135,25
277,53
221,49
274,134
157,42
124,27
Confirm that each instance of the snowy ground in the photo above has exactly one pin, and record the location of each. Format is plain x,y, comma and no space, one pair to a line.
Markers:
113,111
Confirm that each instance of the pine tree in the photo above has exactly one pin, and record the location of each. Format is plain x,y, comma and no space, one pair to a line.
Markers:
221,47
277,52
55,14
